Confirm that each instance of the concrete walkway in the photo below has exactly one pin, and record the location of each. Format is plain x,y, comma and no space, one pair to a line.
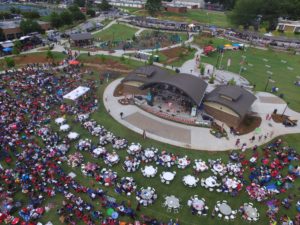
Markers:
196,137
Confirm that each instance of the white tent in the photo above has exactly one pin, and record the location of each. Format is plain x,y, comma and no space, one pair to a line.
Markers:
76,93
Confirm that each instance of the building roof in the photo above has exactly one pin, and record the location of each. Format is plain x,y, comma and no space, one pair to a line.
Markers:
241,99
81,36
192,86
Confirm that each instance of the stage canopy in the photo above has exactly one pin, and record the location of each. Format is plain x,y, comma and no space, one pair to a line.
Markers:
148,76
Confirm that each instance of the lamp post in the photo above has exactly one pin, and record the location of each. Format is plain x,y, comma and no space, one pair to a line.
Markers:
285,109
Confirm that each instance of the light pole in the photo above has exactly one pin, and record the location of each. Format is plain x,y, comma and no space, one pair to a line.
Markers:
285,109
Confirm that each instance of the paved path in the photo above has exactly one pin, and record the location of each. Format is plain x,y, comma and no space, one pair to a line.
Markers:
200,138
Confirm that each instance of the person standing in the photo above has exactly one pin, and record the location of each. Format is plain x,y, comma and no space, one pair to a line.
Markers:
121,115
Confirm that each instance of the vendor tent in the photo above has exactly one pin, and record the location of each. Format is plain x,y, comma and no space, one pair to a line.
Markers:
76,93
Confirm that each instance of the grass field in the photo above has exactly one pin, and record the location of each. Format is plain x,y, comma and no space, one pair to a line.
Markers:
192,16
176,187
117,32
284,66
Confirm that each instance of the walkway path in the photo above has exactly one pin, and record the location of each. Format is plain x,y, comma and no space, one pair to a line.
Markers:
195,137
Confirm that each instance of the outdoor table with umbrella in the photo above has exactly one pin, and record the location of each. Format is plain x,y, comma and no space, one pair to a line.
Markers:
172,202
167,177
149,154
190,180
111,158
134,149
149,171
211,182
64,127
225,209
250,211
146,196
60,120
99,151
73,135
200,166
183,162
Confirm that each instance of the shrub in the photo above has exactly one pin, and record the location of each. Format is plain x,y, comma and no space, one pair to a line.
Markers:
10,62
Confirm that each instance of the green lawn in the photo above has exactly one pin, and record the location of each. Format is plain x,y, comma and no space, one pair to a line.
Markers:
176,187
284,66
117,32
194,15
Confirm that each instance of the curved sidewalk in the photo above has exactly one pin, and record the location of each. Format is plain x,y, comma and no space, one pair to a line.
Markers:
186,136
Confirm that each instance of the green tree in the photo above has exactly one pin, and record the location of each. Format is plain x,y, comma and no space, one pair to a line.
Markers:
66,17
55,20
104,5
29,26
153,6
15,10
79,3
245,12
2,36
31,15
76,13
91,12
49,55
17,47
10,62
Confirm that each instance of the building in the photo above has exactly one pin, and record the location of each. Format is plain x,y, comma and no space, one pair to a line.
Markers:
81,39
12,30
126,3
229,104
288,26
190,4
175,8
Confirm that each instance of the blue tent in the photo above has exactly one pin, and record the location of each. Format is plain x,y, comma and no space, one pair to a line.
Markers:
7,49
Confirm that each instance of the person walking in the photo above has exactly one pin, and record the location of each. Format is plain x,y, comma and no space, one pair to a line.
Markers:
121,115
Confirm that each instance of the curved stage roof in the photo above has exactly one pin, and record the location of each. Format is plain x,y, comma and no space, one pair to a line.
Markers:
192,86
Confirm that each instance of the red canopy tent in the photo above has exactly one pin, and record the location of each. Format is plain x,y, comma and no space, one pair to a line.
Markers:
73,62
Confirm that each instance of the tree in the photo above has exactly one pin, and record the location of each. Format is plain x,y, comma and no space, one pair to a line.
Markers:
55,20
79,3
153,6
29,26
66,17
91,12
15,10
50,55
76,13
245,12
10,62
104,6
31,15
17,47
2,35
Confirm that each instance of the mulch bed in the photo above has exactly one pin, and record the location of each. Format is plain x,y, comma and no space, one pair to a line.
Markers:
279,118
248,125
